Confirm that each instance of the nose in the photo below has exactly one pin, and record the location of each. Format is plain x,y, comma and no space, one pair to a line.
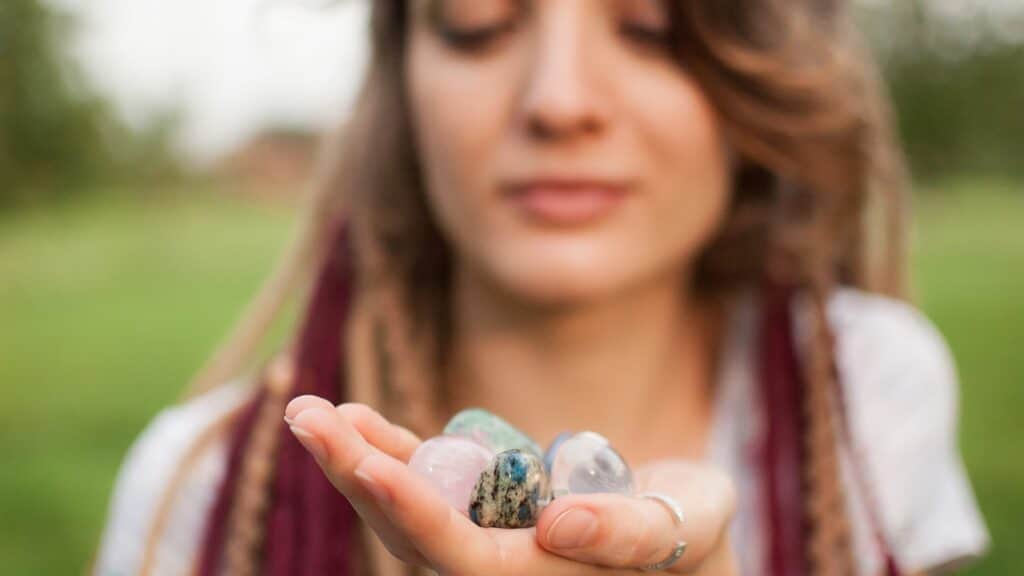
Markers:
561,99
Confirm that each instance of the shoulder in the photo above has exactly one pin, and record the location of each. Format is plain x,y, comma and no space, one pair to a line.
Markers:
184,445
892,358
894,365
901,391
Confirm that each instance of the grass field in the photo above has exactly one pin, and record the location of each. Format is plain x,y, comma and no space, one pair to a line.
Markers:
969,264
108,306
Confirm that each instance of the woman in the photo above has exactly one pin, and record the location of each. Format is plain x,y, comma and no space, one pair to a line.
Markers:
676,223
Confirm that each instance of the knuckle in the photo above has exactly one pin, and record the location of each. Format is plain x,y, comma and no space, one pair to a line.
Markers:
507,554
639,546
357,414
403,553
405,439
341,457
727,496
504,561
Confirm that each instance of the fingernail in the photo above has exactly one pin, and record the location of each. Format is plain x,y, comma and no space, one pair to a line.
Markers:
289,421
574,528
373,486
310,442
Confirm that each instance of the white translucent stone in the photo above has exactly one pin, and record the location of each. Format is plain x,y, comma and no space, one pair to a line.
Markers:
549,455
453,465
587,464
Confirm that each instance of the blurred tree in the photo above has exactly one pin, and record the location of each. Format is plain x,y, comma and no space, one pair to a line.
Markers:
51,127
956,74
57,136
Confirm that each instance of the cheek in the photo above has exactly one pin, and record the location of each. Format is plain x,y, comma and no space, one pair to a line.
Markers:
458,125
688,163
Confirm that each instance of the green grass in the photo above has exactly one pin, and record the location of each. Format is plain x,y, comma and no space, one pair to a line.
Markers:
109,305
969,262
107,308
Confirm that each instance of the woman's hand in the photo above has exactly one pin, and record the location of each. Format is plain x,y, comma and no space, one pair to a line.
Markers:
364,456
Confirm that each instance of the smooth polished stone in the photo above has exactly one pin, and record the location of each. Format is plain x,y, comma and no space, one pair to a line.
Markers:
453,464
586,463
511,492
491,431
549,455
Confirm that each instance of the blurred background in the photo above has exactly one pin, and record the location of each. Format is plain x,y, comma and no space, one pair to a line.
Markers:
151,156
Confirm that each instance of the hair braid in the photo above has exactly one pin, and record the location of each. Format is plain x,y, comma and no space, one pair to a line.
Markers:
829,550
246,523
414,400
403,345
388,368
165,505
405,358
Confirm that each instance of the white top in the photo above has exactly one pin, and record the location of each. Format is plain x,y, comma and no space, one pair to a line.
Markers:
901,394
900,389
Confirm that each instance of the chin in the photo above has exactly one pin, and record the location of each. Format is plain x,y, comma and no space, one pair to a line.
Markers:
559,287
560,277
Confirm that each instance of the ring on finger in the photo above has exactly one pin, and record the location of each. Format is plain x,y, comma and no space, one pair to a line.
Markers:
678,518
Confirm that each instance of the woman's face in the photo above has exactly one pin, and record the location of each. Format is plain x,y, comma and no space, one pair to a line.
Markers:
566,153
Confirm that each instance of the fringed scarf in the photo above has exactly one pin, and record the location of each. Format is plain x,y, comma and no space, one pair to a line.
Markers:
311,529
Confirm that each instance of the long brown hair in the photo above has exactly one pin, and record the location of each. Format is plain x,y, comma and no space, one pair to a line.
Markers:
818,202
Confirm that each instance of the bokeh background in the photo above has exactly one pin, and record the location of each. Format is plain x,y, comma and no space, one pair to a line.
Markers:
152,154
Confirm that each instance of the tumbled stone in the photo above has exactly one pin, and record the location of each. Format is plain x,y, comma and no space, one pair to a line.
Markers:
491,431
453,465
549,455
586,463
510,492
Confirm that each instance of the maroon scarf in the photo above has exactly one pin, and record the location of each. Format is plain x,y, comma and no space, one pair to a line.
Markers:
311,527
782,449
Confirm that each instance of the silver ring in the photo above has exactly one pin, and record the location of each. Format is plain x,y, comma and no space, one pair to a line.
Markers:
677,516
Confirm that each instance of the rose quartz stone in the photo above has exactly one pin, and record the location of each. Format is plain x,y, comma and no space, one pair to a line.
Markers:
453,465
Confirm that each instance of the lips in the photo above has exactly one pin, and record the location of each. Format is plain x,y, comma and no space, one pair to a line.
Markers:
565,202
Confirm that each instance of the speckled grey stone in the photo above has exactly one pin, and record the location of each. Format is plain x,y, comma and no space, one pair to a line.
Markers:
511,492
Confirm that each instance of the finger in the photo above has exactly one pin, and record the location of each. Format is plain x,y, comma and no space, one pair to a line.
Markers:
300,404
338,448
608,529
628,532
389,438
449,541
708,498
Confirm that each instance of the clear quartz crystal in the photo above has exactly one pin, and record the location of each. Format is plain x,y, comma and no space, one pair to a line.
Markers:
586,463
453,465
549,455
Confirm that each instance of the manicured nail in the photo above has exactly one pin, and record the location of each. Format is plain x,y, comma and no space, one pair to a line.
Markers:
310,442
574,528
373,486
289,421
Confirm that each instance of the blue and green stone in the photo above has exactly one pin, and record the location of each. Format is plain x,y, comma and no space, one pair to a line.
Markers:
491,431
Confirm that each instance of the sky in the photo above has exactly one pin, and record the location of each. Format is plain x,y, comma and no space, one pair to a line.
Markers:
233,66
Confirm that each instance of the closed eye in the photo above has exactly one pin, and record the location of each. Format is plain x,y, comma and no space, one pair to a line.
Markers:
658,37
470,25
477,38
